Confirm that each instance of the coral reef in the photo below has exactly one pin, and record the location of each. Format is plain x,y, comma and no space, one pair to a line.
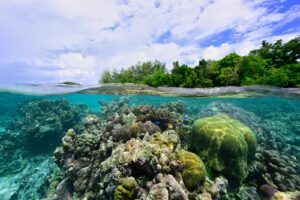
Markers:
28,182
163,117
165,150
278,170
42,123
126,189
81,154
136,153
146,152
178,107
27,144
276,161
268,192
225,143
127,157
193,169
109,109
217,189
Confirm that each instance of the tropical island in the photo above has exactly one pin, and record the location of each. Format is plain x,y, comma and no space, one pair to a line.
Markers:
276,64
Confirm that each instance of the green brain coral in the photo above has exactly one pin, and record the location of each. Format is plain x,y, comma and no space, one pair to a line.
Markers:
226,144
193,168
125,191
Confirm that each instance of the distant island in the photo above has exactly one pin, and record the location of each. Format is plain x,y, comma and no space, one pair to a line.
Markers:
276,64
69,83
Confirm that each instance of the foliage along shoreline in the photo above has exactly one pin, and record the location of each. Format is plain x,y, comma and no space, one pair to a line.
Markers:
276,64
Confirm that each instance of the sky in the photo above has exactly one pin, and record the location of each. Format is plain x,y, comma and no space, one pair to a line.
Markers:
46,41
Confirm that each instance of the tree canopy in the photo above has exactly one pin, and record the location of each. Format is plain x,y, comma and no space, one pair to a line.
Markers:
275,64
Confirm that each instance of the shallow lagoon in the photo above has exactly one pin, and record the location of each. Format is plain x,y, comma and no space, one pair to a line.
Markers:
30,174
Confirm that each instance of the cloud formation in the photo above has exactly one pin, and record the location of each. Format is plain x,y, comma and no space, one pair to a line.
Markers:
58,40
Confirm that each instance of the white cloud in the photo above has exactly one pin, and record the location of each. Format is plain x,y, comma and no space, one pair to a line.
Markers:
73,60
218,52
242,47
81,38
214,53
167,53
76,67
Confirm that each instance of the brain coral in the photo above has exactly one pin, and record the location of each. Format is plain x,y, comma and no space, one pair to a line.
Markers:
225,143
193,169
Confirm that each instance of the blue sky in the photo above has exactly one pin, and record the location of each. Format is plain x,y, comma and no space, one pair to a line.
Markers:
57,40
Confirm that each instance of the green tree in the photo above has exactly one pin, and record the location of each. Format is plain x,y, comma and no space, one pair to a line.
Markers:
106,77
273,63
202,73
158,78
252,69
279,53
230,69
179,74
292,51
229,76
294,74
277,77
214,71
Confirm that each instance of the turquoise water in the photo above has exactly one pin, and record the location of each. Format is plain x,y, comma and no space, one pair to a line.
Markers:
25,173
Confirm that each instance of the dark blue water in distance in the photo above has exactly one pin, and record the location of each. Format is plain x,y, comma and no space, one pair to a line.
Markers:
26,173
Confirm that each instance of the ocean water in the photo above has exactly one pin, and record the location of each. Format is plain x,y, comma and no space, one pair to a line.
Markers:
27,167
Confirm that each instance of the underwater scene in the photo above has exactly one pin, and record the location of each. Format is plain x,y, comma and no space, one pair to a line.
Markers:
125,147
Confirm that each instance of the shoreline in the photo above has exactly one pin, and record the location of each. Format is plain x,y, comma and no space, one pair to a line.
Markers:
225,91
139,89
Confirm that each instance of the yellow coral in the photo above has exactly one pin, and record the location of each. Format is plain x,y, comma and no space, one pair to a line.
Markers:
226,144
193,169
125,191
71,133
280,196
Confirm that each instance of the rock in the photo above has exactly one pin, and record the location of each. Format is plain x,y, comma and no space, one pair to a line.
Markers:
158,192
63,190
267,191
248,193
217,188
